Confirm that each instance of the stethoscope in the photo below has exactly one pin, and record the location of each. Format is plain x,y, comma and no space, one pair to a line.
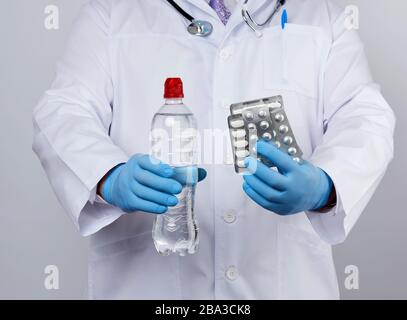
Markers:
202,28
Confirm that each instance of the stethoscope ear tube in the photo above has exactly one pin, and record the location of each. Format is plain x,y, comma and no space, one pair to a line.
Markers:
253,24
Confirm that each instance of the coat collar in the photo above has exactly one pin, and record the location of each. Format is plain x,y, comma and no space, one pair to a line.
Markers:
236,18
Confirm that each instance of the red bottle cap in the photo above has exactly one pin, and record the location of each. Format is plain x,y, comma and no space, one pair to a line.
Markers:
173,88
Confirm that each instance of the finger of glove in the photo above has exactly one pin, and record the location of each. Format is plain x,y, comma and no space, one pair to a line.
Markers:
189,175
153,165
281,160
152,195
151,180
186,175
201,174
263,189
269,176
256,197
137,204
277,208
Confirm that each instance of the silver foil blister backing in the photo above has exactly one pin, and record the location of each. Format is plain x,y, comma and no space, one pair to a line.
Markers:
264,119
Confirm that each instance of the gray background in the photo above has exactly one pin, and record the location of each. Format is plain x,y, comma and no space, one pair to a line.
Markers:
34,230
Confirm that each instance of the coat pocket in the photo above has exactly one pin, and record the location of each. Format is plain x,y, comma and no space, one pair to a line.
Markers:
305,266
299,237
291,59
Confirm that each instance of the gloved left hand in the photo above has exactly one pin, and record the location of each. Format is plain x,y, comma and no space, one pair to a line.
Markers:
294,188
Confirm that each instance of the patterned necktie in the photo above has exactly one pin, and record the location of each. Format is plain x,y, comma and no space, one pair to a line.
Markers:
220,8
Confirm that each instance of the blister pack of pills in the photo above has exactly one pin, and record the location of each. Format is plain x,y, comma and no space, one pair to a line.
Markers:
260,119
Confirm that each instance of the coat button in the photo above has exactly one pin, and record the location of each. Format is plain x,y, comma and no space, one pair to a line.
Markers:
231,273
229,217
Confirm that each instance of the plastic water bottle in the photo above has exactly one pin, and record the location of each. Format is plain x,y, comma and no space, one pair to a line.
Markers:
173,137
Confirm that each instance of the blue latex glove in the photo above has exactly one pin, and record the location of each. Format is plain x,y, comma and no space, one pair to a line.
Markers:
145,184
294,188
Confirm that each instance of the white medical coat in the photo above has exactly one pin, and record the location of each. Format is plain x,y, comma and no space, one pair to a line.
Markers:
108,86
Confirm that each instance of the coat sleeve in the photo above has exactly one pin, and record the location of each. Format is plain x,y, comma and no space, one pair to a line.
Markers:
358,141
72,121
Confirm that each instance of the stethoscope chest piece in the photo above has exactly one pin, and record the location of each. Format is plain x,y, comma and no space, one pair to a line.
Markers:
200,28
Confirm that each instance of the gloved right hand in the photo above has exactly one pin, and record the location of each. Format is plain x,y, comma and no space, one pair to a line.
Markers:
143,185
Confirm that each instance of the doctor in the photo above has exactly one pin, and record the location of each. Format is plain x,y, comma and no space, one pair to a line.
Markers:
267,237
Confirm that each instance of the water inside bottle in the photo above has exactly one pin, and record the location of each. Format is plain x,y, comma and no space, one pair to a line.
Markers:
177,231
173,142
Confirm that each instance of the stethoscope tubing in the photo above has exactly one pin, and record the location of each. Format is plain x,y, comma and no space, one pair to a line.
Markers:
258,26
196,26
185,14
